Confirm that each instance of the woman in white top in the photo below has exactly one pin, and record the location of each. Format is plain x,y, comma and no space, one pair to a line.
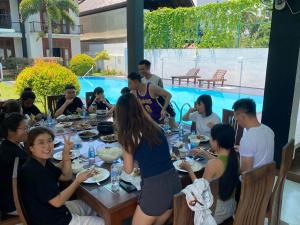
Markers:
202,115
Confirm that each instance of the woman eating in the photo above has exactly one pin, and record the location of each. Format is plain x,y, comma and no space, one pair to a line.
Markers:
45,204
224,167
27,99
202,115
143,141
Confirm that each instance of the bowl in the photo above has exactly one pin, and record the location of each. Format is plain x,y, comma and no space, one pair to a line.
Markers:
106,127
93,115
109,154
77,167
194,142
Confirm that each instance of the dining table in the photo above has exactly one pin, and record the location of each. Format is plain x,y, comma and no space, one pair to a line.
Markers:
113,207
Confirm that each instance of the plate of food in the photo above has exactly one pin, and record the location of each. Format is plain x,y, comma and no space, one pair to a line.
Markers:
74,117
101,175
87,134
74,154
61,117
101,112
82,126
109,154
196,166
64,124
109,138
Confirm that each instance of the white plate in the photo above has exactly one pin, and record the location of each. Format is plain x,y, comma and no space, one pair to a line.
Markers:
91,136
56,141
203,139
196,166
102,175
101,112
58,155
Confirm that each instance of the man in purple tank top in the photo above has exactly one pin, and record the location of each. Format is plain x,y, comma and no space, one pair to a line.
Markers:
148,95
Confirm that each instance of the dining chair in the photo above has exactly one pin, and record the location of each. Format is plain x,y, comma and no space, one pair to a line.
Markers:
275,203
52,102
182,214
16,193
228,118
256,191
88,96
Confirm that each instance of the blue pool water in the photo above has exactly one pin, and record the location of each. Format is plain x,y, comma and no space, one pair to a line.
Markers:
181,95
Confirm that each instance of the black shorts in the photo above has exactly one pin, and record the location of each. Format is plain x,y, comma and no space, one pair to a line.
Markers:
170,110
157,192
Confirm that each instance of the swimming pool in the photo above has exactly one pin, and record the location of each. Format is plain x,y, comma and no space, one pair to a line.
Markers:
180,95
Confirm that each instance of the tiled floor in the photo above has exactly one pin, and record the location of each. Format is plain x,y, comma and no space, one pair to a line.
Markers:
291,203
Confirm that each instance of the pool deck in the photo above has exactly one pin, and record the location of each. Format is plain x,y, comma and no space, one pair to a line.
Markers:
225,88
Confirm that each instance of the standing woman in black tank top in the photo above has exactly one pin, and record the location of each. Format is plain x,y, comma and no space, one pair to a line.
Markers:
143,141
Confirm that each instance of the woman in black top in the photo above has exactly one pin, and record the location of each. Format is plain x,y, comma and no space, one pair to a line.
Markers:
27,101
42,199
13,129
98,101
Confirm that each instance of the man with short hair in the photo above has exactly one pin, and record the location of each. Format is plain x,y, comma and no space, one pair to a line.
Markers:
144,69
148,94
69,104
257,143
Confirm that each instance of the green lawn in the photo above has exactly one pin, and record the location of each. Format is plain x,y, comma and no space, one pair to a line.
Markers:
8,91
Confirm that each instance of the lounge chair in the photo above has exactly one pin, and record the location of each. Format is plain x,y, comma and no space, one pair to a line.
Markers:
191,74
217,77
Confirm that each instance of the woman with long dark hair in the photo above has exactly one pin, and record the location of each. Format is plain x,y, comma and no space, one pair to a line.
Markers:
143,141
225,167
14,131
202,115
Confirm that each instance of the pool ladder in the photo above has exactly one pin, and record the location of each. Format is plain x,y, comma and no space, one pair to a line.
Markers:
180,109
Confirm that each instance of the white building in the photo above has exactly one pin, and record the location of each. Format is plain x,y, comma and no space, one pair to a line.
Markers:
22,40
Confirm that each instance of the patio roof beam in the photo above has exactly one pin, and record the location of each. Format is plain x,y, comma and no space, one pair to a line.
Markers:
135,33
282,87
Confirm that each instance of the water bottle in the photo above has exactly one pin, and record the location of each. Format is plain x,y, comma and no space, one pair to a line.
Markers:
84,112
166,124
49,118
181,133
91,154
115,173
77,143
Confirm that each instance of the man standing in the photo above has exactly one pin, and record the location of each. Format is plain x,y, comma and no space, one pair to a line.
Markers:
257,143
148,95
144,69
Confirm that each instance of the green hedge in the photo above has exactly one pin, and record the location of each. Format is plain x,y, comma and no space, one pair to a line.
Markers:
236,23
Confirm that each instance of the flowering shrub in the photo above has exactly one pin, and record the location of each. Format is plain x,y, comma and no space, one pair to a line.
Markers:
45,79
81,63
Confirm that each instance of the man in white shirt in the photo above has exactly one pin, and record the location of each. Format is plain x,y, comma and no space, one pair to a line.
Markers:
257,143
144,69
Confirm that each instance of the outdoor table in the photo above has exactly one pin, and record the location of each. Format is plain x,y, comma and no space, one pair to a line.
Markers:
114,207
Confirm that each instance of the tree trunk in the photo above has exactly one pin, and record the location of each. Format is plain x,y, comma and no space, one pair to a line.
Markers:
50,39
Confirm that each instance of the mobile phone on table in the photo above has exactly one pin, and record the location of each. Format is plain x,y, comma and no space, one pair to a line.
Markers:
128,187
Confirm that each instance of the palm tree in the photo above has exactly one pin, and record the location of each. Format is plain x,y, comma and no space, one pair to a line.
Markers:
56,11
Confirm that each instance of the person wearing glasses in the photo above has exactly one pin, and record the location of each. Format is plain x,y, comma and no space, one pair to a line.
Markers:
14,130
70,103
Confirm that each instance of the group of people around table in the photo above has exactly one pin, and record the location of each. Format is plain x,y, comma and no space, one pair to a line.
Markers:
142,106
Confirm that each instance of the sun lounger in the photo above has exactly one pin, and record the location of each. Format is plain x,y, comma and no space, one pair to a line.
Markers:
217,77
191,74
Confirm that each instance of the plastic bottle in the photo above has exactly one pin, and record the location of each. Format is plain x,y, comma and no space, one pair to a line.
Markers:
166,124
91,154
77,142
115,173
84,112
181,133
49,118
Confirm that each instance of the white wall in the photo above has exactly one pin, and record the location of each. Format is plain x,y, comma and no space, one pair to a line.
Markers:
18,47
14,10
75,45
34,47
203,2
